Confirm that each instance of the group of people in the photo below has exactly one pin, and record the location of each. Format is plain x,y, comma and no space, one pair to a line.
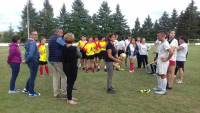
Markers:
95,54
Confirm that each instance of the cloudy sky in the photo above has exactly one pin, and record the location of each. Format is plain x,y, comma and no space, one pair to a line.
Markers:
10,10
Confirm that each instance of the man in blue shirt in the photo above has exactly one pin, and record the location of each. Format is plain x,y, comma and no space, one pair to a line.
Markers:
31,59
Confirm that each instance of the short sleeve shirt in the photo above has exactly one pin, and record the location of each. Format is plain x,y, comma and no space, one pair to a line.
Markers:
114,52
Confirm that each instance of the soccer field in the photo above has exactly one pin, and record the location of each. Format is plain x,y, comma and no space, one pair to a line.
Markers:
184,98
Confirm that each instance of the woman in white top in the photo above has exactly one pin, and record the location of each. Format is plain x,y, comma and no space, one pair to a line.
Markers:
132,54
182,52
143,50
172,62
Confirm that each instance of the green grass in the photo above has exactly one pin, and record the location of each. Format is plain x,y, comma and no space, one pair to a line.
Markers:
93,98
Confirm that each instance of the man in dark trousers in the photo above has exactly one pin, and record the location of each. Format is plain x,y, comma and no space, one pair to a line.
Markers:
31,59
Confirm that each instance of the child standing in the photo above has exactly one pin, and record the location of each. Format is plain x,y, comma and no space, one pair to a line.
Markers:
43,57
131,51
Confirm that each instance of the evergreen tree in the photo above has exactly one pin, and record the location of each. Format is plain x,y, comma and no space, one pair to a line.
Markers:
47,22
188,24
96,30
174,19
81,21
164,22
147,28
64,19
156,28
33,18
136,30
104,19
119,23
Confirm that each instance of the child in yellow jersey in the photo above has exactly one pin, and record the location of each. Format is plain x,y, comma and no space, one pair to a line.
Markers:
90,48
102,54
97,53
81,45
43,57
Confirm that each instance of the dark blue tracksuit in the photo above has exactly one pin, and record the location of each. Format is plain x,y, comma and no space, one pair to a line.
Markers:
32,58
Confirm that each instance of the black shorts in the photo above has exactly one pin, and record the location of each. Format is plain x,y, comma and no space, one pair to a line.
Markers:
42,63
83,54
97,55
102,55
180,64
120,52
91,57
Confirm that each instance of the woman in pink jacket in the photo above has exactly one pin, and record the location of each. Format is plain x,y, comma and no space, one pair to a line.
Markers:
14,60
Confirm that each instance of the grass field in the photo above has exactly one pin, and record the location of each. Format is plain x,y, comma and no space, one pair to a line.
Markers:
184,98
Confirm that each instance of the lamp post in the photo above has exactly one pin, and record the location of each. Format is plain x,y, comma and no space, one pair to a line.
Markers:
28,22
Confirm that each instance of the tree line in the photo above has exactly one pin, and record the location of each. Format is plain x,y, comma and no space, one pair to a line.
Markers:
79,22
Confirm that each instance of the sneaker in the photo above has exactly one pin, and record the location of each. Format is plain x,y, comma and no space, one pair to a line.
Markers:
157,89
25,91
72,102
179,82
111,91
75,99
160,92
131,71
13,91
34,94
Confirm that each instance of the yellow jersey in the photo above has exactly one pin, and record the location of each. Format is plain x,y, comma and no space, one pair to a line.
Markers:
98,47
43,52
81,44
103,45
90,48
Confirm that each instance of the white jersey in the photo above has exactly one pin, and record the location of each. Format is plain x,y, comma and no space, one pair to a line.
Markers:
181,54
143,49
121,45
163,49
174,44
163,52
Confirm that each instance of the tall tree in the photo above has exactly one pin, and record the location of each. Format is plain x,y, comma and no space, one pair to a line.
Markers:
96,31
188,24
104,20
147,28
47,21
164,22
156,28
64,19
136,30
119,23
81,21
33,18
174,19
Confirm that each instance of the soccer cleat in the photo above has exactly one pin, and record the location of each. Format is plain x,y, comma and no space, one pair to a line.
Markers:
179,82
157,89
111,91
160,92
13,91
25,91
34,94
72,102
